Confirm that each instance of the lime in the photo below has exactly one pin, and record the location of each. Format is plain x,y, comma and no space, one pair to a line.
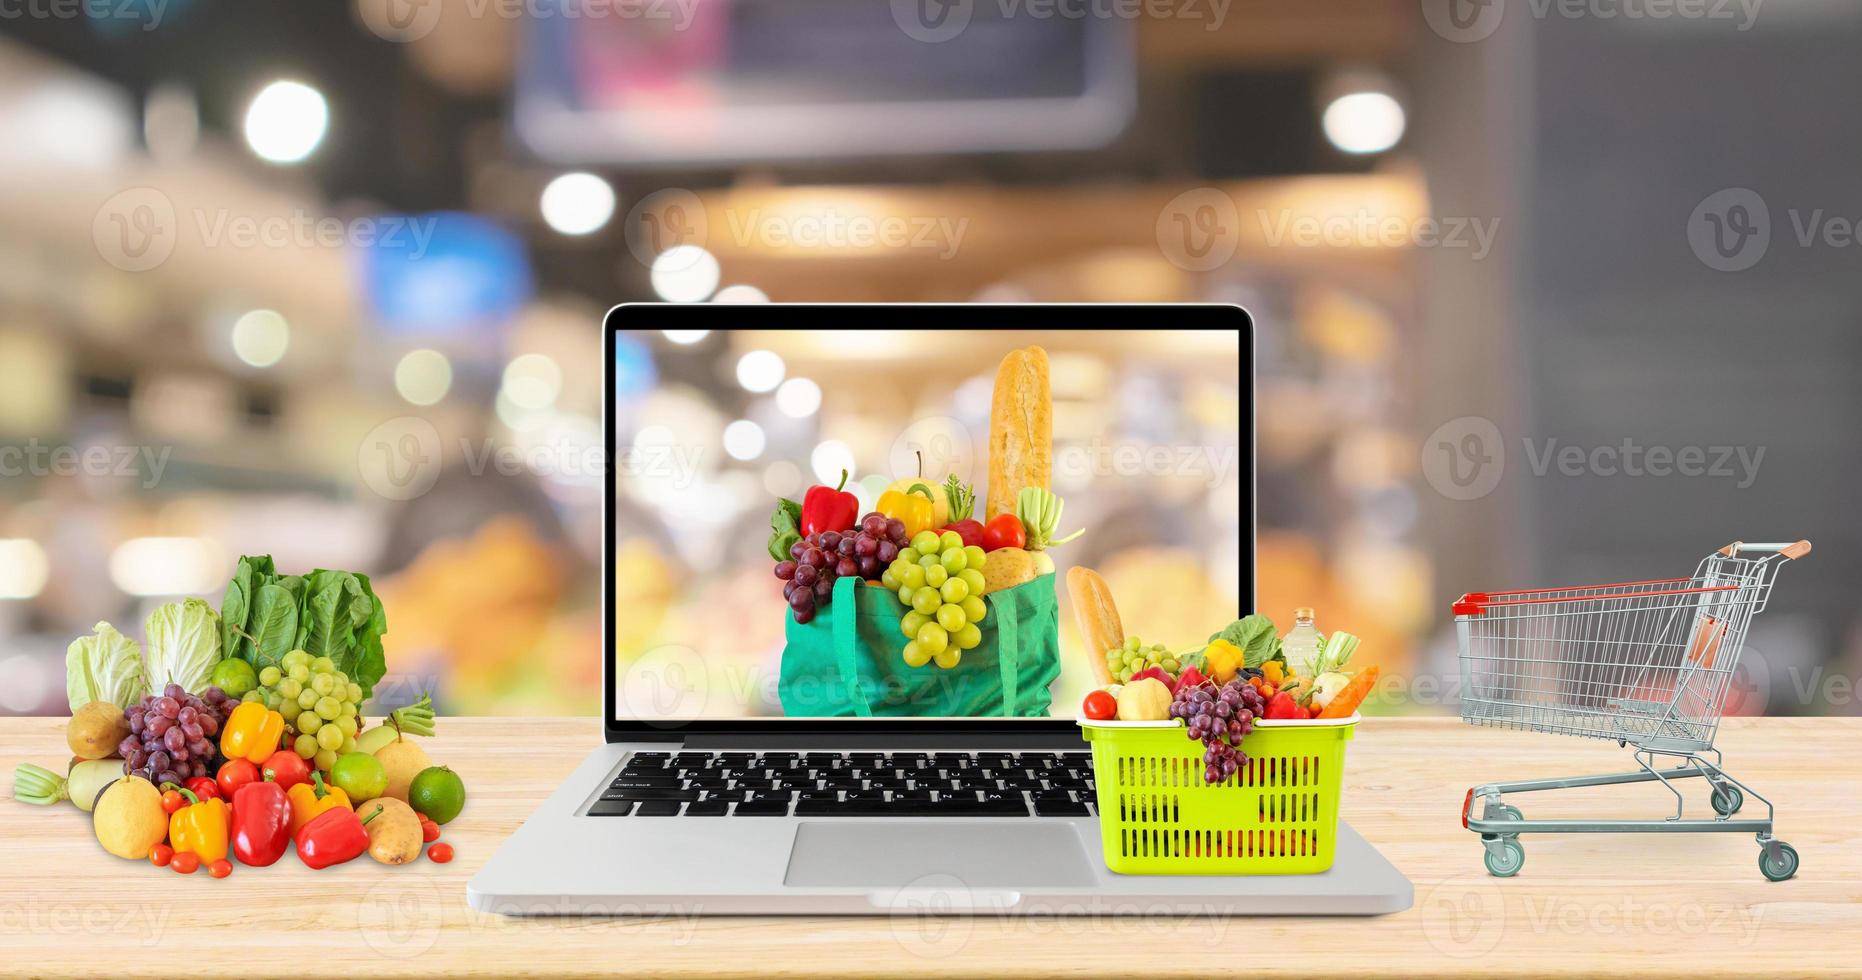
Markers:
437,792
359,774
235,677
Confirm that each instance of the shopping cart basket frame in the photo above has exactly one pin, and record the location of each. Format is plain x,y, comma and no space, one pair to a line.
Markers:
1648,663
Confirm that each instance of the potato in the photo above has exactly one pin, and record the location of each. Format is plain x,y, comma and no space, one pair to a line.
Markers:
96,729
1006,568
402,759
394,833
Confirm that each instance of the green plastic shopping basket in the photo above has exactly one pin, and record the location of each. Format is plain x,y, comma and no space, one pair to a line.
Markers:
1278,815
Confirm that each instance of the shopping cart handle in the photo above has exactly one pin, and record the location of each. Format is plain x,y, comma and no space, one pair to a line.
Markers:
1789,549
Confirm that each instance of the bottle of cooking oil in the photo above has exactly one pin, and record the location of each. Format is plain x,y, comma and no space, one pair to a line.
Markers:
1301,644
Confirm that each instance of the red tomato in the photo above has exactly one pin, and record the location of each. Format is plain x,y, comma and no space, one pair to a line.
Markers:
1100,706
287,768
440,853
235,774
1004,531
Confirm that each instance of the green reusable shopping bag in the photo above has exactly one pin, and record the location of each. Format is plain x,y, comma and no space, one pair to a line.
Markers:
848,661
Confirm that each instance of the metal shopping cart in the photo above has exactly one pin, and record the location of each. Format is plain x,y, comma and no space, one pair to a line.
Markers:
1647,664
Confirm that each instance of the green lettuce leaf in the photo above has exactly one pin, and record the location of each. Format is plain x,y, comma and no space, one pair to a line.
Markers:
106,666
1255,636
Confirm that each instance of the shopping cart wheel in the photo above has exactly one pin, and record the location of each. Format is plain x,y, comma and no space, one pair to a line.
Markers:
1505,811
1727,800
1784,867
1505,857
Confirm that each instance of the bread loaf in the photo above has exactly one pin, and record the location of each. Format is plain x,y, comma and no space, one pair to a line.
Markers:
1097,614
1021,430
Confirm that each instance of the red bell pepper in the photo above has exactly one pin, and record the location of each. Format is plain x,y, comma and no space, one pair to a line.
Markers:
1282,707
1004,531
262,824
333,837
825,509
234,774
286,768
205,788
971,531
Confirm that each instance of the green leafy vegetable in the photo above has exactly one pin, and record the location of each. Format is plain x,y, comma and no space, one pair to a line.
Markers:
1039,512
1335,651
785,528
106,666
326,614
1256,637
183,645
961,498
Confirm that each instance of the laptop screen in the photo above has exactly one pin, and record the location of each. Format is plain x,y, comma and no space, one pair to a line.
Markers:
920,524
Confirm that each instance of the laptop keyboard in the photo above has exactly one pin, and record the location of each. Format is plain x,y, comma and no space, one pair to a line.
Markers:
852,784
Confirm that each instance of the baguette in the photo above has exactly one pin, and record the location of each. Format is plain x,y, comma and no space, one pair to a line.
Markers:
1097,614
1021,430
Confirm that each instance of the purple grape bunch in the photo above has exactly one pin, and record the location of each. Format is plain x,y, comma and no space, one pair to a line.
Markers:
173,734
818,559
1219,718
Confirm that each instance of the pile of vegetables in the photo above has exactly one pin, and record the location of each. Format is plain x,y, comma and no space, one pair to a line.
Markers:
198,698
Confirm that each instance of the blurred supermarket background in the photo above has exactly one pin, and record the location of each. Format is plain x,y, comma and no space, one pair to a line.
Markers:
1545,292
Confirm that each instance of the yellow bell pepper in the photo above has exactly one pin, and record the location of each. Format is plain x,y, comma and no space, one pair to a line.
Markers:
252,733
308,800
916,508
1223,660
200,828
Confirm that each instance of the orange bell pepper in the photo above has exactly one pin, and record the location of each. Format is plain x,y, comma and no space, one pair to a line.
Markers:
200,828
310,799
252,733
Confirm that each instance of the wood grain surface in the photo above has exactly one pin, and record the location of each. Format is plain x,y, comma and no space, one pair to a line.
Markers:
1583,905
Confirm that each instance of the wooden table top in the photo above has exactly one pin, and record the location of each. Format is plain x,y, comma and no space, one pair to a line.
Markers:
1674,904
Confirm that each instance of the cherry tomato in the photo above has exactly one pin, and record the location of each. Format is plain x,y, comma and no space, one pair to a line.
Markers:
187,862
160,855
220,868
172,800
429,831
440,853
1100,706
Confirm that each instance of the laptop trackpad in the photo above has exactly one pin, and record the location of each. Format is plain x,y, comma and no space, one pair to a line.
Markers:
896,853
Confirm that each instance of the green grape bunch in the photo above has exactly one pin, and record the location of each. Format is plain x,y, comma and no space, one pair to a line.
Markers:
1135,657
940,580
320,705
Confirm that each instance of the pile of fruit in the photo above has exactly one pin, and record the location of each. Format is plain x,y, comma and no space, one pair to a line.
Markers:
920,544
1241,675
227,739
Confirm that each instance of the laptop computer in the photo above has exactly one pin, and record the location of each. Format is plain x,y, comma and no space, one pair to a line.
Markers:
771,752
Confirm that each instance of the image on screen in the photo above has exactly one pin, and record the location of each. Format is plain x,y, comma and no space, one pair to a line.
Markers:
881,524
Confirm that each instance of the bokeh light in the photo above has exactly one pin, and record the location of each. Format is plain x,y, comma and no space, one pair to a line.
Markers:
578,203
286,121
423,377
261,338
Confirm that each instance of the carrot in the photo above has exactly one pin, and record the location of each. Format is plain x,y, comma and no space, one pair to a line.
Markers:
1353,694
